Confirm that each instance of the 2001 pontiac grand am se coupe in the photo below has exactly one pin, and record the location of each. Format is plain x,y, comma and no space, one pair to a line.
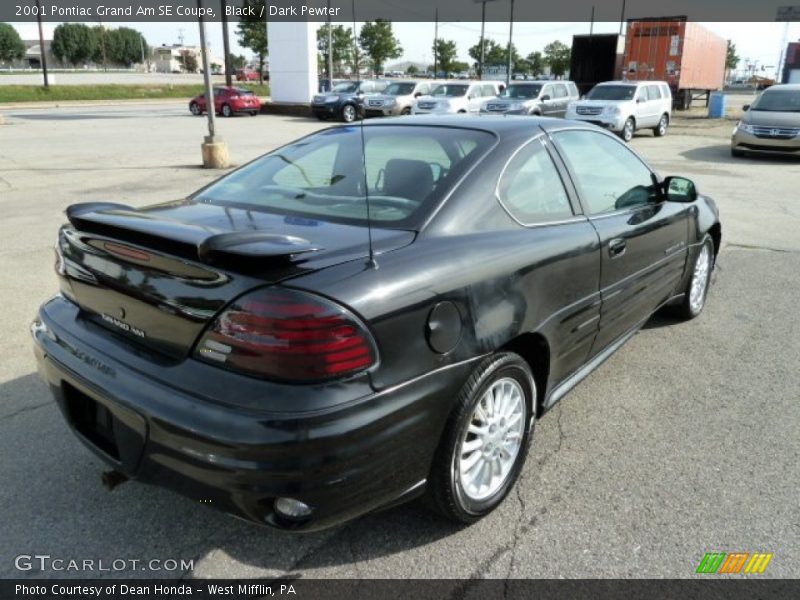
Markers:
248,345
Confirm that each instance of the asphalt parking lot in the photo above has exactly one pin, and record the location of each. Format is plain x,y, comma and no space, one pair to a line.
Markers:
684,442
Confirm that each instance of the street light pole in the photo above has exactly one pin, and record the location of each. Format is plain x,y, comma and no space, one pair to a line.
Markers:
330,48
215,150
226,45
435,48
42,51
510,44
483,49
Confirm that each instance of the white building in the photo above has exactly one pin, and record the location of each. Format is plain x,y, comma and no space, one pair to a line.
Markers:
167,59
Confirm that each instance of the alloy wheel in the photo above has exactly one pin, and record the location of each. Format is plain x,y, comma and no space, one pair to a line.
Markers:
702,270
492,440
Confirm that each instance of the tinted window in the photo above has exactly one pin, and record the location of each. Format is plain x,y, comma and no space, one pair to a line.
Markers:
608,175
653,93
449,90
399,89
531,189
612,92
522,91
346,87
322,176
560,90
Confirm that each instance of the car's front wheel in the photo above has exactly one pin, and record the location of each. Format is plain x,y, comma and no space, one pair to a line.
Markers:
696,292
348,113
194,108
486,440
628,129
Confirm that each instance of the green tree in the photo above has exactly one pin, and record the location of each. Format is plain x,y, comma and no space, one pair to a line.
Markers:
74,43
446,55
496,55
536,63
11,45
731,59
459,66
188,61
378,42
412,70
125,46
252,32
342,38
557,55
237,61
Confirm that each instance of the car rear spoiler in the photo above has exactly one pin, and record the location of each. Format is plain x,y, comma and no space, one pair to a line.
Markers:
238,249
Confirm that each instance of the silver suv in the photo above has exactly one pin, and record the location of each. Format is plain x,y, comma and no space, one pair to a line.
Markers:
626,106
398,98
542,98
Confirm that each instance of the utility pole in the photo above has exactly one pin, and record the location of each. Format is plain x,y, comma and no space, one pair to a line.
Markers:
622,18
330,48
510,44
141,47
357,74
226,45
42,50
483,36
215,150
436,47
591,22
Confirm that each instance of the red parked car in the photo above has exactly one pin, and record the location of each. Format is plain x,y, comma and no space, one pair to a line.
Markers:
246,75
227,102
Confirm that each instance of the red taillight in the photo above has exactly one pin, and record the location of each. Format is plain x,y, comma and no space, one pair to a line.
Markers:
288,335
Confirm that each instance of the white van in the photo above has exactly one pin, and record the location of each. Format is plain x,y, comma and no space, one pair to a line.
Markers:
456,97
626,106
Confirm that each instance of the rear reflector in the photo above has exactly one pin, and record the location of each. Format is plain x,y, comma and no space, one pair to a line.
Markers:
288,335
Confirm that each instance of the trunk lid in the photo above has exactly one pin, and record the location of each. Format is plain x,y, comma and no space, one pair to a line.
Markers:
156,276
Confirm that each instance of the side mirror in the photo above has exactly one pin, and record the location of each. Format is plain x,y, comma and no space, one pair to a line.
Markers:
679,189
546,97
470,97
746,107
418,94
639,100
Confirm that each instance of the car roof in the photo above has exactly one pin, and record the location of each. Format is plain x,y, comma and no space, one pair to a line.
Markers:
501,125
792,87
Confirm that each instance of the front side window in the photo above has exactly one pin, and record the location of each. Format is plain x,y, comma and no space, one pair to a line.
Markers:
653,93
561,91
608,175
345,87
488,91
408,169
525,91
531,189
399,89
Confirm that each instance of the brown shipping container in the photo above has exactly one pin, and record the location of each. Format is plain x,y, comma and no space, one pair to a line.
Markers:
686,55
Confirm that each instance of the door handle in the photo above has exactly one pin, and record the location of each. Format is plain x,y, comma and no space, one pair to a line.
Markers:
616,247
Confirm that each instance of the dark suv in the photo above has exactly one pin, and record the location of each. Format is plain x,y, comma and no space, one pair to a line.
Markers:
346,100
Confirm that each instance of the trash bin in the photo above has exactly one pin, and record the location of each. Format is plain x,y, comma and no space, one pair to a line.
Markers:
717,105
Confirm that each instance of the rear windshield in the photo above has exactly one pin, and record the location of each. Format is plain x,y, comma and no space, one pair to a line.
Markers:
612,92
522,91
778,101
450,91
400,89
408,170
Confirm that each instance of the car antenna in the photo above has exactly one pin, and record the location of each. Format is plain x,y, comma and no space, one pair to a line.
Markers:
371,263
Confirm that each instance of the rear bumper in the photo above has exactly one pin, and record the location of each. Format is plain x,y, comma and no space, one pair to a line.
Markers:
345,460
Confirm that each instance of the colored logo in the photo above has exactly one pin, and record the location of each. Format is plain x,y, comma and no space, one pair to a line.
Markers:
736,562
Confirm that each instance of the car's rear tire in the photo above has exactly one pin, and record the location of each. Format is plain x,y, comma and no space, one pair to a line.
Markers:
486,440
226,110
628,129
349,113
253,113
194,108
660,130
406,111
696,292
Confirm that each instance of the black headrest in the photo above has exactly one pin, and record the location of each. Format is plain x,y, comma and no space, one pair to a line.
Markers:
405,178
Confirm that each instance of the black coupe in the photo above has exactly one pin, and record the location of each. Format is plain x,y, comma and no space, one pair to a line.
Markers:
366,315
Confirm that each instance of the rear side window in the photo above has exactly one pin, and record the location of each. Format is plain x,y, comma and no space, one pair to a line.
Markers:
531,189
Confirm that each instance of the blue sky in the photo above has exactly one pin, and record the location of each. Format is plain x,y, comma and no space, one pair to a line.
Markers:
761,42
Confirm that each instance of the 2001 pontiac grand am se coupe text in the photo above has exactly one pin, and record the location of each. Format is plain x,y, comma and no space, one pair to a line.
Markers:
249,345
